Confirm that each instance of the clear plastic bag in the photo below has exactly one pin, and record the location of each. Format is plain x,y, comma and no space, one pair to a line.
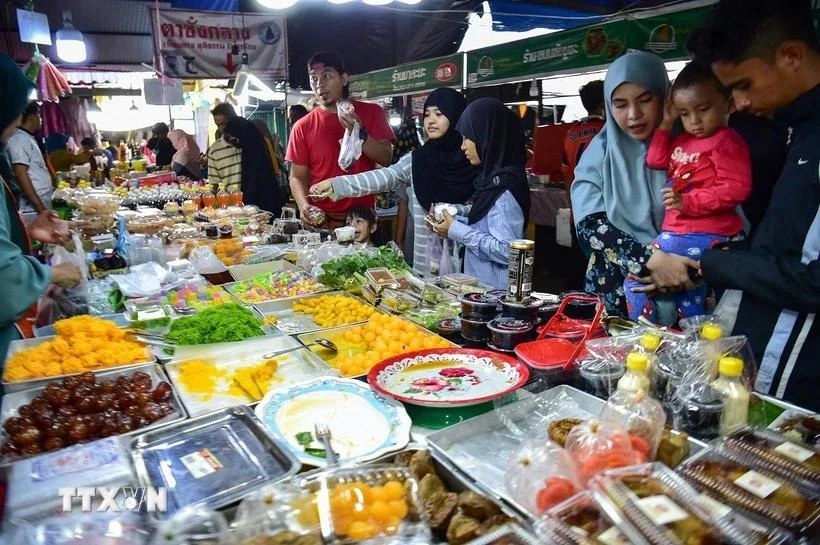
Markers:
540,475
144,280
597,448
193,525
640,415
351,145
58,303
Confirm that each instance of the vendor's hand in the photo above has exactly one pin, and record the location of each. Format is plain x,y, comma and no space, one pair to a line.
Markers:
668,272
322,190
670,113
312,215
49,228
348,120
442,228
65,275
672,200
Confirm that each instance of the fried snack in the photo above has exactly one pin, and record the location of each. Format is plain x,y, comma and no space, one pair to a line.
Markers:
429,485
440,508
585,517
802,462
421,464
462,529
403,458
559,429
804,429
673,448
476,505
492,523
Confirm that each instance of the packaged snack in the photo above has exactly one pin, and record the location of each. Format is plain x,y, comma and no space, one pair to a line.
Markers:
597,448
540,475
640,415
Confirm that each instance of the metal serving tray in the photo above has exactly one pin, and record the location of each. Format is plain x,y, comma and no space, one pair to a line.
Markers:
292,323
24,344
212,461
244,272
481,446
13,401
299,366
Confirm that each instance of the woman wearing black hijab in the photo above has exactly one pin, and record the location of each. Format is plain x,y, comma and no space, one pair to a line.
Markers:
259,184
438,171
494,142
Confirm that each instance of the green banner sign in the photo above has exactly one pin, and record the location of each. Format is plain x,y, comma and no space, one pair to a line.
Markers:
584,48
410,78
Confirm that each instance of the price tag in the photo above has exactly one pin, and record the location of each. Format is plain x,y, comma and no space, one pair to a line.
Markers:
151,314
661,510
795,452
201,463
758,484
613,536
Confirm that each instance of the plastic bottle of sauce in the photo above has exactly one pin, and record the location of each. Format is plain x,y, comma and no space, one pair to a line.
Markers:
648,345
711,332
121,152
223,197
635,377
735,413
237,197
208,199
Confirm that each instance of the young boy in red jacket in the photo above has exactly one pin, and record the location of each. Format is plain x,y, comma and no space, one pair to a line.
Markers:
710,174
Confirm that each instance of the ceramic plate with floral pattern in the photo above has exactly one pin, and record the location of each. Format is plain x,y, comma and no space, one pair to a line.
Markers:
448,377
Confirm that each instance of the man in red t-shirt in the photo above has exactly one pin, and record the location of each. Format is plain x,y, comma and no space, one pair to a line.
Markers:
314,144
578,137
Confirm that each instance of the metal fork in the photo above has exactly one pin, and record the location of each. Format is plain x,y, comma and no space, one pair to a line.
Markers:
323,435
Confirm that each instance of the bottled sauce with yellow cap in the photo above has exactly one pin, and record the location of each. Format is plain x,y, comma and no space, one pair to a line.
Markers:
711,332
635,378
736,403
650,342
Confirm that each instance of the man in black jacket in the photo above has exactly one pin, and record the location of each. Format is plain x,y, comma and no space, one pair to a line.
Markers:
767,53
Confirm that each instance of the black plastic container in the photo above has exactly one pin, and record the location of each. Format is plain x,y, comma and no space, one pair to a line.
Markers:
475,330
478,308
450,329
526,310
507,333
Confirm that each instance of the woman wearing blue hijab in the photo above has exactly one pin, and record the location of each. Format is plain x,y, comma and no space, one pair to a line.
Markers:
616,197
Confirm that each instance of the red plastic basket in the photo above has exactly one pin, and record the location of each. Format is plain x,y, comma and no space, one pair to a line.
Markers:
562,339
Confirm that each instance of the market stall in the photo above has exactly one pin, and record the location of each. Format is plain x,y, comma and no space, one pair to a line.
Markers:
214,361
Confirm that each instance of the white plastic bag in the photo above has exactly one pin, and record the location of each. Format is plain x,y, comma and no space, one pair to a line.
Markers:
351,144
57,302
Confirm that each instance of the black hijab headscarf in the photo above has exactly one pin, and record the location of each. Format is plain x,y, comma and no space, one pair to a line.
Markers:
441,173
499,142
259,183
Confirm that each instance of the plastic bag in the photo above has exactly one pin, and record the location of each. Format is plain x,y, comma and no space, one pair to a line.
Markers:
57,302
597,448
443,256
540,475
144,280
204,261
193,525
640,415
351,145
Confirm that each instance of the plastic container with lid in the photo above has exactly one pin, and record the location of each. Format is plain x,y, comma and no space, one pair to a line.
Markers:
449,328
697,410
635,378
474,330
507,333
601,377
736,403
477,307
521,310
398,302
380,278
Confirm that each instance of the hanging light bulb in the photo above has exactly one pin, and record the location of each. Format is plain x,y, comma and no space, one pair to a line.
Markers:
410,2
395,119
276,4
133,107
377,2
70,41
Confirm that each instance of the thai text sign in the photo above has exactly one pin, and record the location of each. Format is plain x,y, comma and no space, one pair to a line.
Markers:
209,44
409,78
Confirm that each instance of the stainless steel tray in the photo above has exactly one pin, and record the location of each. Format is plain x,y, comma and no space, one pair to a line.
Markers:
212,461
13,401
243,272
292,323
481,446
299,366
24,344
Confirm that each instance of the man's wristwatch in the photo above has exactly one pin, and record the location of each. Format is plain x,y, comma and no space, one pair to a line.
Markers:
362,134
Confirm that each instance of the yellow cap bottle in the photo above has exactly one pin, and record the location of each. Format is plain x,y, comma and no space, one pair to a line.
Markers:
711,332
637,361
730,366
650,342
